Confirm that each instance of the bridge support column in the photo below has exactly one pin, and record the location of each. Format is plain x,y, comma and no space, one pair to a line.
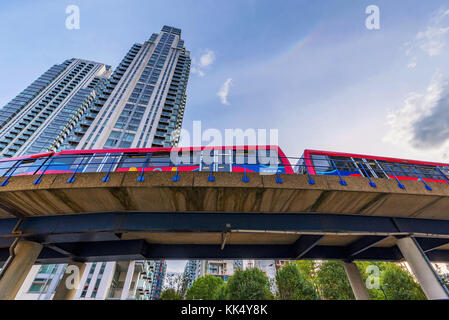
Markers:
26,253
356,281
429,280
70,281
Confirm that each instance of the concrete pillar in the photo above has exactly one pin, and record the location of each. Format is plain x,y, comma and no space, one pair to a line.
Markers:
429,280
356,281
64,292
26,253
128,279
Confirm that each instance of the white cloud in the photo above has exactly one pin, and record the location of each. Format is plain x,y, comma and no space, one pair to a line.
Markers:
197,71
422,122
205,61
224,91
432,40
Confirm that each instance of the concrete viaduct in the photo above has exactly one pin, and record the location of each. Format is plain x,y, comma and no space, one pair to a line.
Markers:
76,219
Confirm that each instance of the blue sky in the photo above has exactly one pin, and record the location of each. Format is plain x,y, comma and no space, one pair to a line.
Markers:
310,69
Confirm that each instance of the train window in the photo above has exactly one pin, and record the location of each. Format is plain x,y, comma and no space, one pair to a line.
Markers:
268,157
345,164
378,169
6,166
429,173
66,163
186,158
101,162
29,166
223,160
133,160
207,160
245,157
161,159
321,163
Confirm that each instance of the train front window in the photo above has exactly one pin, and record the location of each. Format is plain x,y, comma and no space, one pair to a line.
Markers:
322,164
344,164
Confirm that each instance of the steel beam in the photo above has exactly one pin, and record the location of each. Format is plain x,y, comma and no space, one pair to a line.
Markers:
304,244
363,244
429,244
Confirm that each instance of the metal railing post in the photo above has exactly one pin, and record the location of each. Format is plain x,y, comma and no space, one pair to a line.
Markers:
311,181
245,178
425,184
141,178
279,179
211,178
15,166
72,178
371,183
39,179
444,176
106,178
400,185
176,177
342,182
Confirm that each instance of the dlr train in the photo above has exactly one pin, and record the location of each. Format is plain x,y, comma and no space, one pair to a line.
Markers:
262,159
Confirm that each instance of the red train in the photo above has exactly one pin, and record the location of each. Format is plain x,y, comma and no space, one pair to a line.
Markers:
262,159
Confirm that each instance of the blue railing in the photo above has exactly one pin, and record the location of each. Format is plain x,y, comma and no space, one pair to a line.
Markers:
144,162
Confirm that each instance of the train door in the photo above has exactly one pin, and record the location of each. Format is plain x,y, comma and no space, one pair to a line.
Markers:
223,160
102,162
369,169
380,170
207,160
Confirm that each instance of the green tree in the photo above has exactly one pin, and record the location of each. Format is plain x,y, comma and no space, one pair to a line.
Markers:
398,284
171,294
204,288
293,284
395,282
221,292
250,284
332,281
307,267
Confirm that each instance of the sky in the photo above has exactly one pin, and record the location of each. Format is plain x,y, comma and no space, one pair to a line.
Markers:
310,69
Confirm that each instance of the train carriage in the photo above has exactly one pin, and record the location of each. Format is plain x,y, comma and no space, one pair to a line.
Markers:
262,159
317,162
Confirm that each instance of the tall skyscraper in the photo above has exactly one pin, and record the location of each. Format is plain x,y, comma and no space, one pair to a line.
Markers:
192,271
146,106
41,117
87,118
81,104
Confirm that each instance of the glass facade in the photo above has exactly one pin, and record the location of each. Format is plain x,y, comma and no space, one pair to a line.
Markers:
146,107
41,117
